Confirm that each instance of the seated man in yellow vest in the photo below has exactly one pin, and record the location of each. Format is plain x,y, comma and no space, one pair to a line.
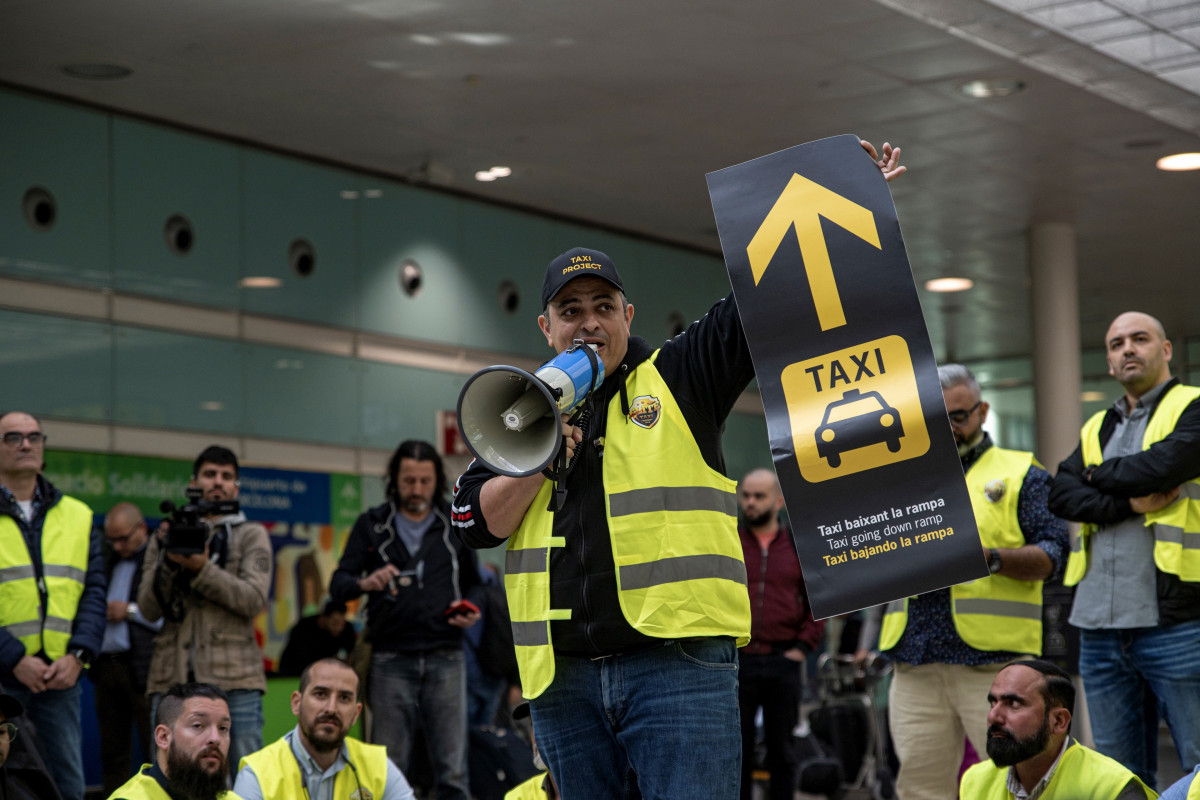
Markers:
629,601
316,759
1031,750
948,644
540,786
191,743
1134,483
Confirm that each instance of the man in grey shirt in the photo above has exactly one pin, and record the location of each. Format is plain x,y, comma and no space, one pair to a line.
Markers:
1133,483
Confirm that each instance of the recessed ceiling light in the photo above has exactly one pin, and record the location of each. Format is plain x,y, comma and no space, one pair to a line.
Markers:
348,194
492,174
260,282
1180,162
212,405
992,87
97,71
373,194
949,284
1092,397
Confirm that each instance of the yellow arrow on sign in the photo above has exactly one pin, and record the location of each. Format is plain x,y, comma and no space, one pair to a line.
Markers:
802,204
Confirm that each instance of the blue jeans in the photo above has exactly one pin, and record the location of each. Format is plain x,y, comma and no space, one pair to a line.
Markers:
1131,678
56,716
662,721
245,727
426,690
245,724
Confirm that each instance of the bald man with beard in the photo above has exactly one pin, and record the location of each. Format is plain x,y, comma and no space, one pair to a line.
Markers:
1134,483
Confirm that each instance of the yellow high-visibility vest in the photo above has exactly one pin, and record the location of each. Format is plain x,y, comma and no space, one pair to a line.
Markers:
279,775
1176,528
672,521
531,789
1082,774
142,787
996,612
66,533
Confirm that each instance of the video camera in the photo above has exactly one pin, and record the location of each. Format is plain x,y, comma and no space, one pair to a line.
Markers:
188,532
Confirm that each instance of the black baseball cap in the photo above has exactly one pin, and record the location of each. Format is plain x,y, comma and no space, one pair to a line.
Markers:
10,707
578,262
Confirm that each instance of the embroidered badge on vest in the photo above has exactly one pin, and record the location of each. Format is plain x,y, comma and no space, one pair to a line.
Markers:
994,490
644,411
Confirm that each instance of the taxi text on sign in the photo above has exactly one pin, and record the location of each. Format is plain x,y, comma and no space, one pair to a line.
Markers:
859,435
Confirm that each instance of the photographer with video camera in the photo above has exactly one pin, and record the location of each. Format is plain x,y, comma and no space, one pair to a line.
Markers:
207,575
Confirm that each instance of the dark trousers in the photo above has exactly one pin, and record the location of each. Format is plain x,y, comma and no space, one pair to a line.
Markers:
121,706
771,682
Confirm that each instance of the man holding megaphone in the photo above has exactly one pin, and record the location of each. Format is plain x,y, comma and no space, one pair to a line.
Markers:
628,597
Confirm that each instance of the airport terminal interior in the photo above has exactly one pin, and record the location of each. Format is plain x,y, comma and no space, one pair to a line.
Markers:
297,227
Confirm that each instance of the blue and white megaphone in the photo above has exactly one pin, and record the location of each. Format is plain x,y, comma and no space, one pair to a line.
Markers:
510,419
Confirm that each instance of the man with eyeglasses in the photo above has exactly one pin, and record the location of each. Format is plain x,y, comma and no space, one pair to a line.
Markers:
119,673
949,644
1134,483
52,593
22,773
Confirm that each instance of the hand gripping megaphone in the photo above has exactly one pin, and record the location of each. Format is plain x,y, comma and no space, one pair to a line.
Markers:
510,420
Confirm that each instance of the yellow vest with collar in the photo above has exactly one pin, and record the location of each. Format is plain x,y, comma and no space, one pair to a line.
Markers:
672,522
1082,774
279,775
66,534
996,612
144,787
1176,528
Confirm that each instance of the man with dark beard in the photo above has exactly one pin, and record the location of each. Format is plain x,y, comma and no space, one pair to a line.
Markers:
317,759
191,743
782,634
418,578
1033,756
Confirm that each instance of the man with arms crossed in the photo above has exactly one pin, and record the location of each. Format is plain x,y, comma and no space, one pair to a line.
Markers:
1133,483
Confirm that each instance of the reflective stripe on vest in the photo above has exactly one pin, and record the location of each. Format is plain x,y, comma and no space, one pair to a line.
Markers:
1082,773
996,612
678,557
1176,528
279,776
65,539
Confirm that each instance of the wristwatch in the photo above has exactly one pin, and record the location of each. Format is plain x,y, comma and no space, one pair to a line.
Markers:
83,655
994,563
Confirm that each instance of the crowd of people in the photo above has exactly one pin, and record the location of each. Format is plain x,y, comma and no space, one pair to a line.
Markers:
647,628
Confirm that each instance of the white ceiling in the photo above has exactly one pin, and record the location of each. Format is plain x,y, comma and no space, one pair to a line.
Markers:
613,112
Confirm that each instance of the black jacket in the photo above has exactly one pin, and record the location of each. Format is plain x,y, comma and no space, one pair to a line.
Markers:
442,571
1102,497
706,368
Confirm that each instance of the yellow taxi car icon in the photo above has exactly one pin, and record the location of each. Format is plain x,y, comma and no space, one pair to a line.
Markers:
858,419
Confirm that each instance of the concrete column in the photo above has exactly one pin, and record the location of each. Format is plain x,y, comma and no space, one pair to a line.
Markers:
1054,302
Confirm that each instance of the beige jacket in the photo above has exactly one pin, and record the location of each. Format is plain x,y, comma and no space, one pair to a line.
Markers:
218,607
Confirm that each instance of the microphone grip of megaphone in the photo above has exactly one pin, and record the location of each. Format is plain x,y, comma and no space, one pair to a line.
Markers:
529,408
